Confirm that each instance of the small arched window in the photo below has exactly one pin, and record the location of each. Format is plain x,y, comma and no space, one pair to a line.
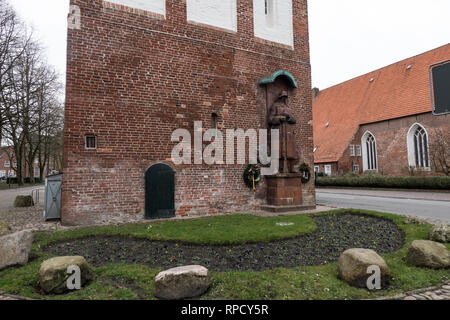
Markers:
369,146
418,155
214,123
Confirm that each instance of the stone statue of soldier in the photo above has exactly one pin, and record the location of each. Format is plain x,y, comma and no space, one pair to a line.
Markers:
281,117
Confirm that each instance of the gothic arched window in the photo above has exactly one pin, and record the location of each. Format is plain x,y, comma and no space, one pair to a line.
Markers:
369,146
418,155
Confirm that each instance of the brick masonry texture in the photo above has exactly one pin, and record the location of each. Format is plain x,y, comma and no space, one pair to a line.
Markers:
133,78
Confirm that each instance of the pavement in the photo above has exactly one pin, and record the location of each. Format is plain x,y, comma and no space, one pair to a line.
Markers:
431,206
404,194
8,196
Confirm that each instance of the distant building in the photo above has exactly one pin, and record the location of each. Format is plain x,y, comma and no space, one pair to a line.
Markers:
8,164
5,163
381,121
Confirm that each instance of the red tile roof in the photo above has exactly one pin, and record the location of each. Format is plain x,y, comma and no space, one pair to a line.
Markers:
395,92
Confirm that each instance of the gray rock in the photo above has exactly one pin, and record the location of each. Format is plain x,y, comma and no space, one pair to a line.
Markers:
428,254
353,265
181,283
15,248
440,233
53,273
4,229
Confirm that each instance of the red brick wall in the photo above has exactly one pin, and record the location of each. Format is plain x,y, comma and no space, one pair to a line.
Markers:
347,161
391,138
3,158
134,78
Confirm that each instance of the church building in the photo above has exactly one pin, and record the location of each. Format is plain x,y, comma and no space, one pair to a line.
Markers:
392,121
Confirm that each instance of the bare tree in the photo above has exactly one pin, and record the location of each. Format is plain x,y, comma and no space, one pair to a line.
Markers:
440,150
30,113
11,49
50,135
44,115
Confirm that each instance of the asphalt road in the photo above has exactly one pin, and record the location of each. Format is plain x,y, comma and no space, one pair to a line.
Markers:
432,206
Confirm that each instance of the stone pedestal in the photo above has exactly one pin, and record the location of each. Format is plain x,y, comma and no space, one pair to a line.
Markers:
284,189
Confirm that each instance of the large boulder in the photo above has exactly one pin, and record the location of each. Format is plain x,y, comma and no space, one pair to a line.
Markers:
181,283
15,248
428,254
4,229
354,265
440,233
53,273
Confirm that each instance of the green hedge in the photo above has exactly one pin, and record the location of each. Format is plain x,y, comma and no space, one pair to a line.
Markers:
14,180
379,181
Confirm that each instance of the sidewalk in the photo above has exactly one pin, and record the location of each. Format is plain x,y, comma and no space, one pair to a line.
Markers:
417,195
7,196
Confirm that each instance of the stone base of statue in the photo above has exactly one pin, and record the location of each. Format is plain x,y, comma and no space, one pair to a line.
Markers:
284,209
284,189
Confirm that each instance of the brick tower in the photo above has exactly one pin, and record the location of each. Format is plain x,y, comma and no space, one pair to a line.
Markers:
138,70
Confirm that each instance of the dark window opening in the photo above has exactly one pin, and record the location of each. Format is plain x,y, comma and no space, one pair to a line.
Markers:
421,148
91,142
440,82
214,123
371,153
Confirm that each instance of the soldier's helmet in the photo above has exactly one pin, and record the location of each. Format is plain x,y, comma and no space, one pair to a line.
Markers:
283,94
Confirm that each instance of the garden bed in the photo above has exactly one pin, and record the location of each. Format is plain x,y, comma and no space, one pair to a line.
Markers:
334,235
249,257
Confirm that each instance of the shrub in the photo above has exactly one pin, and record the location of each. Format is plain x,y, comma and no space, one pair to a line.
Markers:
23,201
379,181
12,180
351,175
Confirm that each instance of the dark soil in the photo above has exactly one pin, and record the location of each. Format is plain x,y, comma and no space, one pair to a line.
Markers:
335,234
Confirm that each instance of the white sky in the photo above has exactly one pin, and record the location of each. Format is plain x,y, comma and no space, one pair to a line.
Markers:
348,37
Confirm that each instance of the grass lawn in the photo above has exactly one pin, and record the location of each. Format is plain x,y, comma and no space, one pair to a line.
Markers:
135,281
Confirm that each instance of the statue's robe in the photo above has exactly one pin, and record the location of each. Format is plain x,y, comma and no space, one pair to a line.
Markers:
281,109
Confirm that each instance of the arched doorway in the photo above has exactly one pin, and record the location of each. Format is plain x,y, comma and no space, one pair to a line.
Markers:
159,192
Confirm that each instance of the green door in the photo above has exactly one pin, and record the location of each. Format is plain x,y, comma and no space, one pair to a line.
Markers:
159,192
